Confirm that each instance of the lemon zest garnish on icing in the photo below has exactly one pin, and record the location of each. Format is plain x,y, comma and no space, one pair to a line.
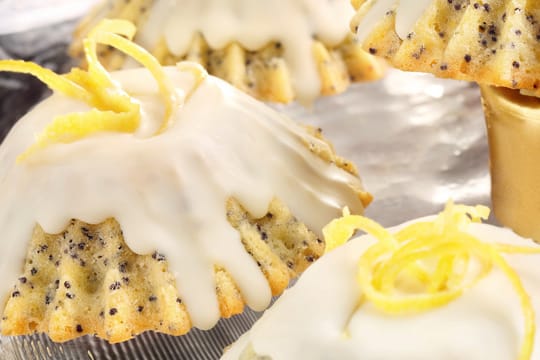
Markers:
53,80
426,264
109,33
112,108
337,232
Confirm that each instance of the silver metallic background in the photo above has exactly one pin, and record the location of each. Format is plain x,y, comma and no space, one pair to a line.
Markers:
417,141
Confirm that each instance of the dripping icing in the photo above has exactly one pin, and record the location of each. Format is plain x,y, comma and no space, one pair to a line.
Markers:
253,24
168,191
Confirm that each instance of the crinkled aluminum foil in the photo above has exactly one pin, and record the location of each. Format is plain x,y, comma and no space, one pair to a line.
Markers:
417,141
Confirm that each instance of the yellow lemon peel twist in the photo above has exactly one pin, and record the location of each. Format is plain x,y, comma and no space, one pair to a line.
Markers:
112,108
426,264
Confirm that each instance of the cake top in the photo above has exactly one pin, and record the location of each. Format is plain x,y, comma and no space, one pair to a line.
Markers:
293,24
436,287
161,150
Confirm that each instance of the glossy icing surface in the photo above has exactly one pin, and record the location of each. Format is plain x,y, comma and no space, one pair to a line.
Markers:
321,318
168,191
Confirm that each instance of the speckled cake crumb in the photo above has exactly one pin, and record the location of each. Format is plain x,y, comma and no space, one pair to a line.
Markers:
86,280
495,43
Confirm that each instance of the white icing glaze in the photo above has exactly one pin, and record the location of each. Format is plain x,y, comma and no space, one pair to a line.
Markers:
407,14
168,192
308,321
253,24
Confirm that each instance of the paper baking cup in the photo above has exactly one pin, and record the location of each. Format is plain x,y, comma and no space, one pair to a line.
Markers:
513,129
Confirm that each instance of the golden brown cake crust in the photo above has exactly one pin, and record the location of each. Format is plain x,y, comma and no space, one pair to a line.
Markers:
263,74
86,280
494,43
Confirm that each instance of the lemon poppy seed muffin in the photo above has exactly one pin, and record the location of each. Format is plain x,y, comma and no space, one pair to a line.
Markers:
489,42
158,198
274,50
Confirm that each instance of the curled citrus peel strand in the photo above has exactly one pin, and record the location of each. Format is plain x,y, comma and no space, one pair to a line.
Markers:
337,232
199,74
111,32
197,70
433,255
120,28
54,81
112,108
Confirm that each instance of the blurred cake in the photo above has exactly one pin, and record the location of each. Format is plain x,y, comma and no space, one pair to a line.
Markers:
434,288
274,50
156,199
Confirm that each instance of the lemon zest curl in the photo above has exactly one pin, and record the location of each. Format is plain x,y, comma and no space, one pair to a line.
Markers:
426,264
113,110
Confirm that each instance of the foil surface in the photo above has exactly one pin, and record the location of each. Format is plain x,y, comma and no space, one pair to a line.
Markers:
416,140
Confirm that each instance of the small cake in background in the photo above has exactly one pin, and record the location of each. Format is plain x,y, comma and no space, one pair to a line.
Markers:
158,198
489,42
493,43
276,51
444,287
